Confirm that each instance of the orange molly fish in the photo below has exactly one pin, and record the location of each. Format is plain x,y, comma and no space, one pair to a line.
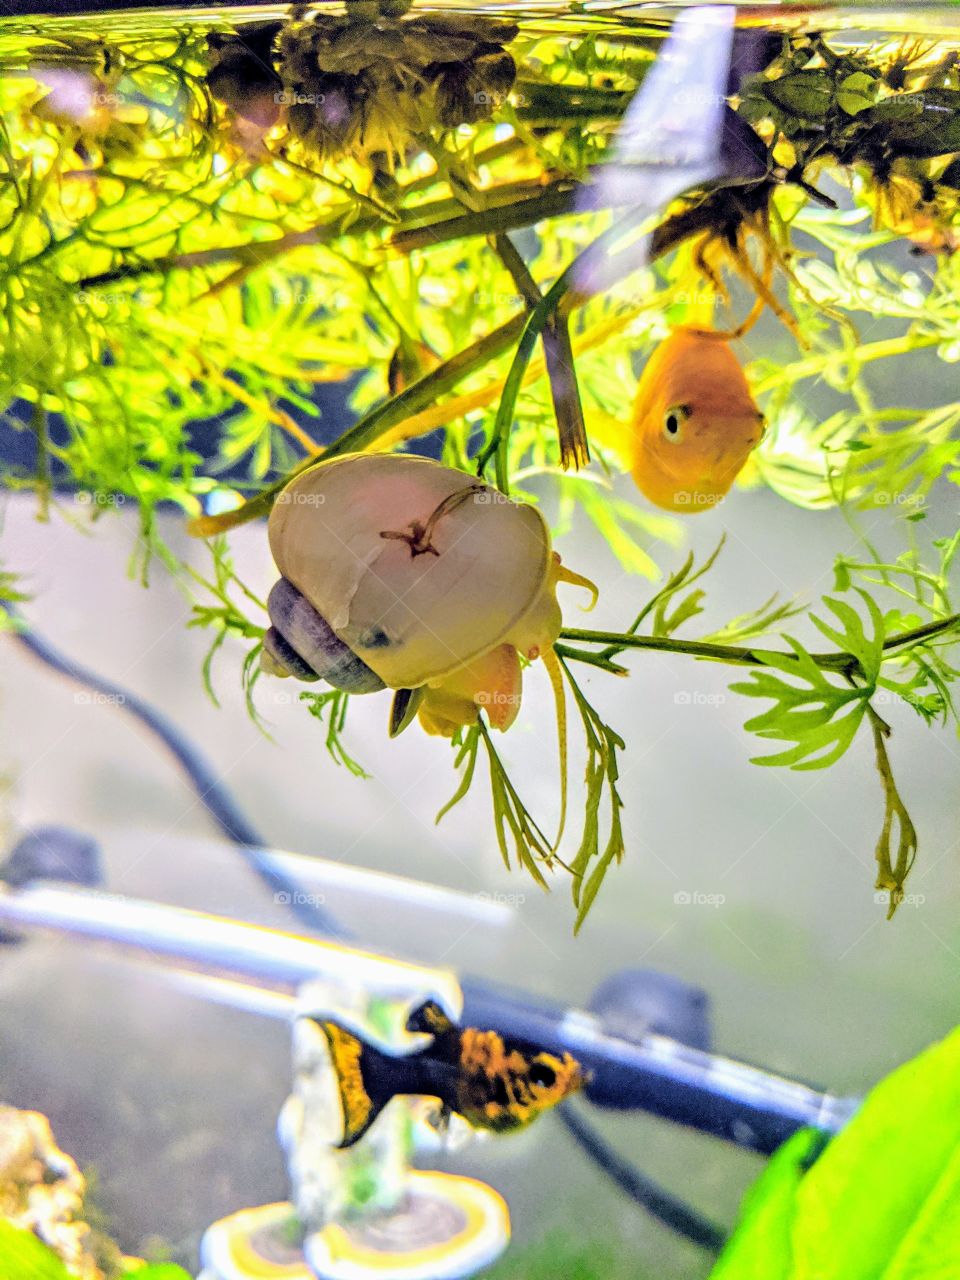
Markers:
694,422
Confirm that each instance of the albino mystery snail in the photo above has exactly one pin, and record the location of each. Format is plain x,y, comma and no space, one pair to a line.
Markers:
399,572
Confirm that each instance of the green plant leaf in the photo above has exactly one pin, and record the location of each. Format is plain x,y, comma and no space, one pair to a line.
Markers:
761,1247
882,1202
157,1271
331,705
24,1257
818,712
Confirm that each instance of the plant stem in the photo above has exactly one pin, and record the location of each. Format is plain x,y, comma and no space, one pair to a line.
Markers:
614,642
553,202
42,436
374,424
564,294
891,871
814,365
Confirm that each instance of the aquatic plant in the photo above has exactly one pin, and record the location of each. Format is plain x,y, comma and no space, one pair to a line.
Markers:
167,211
829,1207
49,1227
835,1210
23,1255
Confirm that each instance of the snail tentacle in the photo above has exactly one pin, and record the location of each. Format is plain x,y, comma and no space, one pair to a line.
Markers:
420,535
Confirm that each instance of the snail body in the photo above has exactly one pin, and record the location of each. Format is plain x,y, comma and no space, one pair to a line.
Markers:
400,572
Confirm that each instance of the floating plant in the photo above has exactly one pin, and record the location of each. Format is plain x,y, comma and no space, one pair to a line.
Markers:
208,223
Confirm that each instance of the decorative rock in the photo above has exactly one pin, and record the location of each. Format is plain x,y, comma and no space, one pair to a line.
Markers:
42,1190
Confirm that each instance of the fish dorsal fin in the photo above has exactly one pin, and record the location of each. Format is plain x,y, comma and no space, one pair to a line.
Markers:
431,1019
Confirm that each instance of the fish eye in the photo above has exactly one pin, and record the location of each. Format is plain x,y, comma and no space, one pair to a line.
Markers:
673,419
542,1075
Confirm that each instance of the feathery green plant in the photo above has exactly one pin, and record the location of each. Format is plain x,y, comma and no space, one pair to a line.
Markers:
160,267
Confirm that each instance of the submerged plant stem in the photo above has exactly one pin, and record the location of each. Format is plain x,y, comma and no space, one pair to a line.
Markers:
374,424
41,434
616,641
892,871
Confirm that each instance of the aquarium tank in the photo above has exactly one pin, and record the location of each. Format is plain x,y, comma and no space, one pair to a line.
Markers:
479,640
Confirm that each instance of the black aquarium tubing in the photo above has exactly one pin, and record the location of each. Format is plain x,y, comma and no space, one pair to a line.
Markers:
663,1206
210,791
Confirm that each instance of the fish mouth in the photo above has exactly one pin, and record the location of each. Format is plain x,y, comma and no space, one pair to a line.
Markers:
707,486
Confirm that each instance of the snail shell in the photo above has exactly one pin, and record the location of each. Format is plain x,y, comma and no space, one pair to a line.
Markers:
417,568
302,644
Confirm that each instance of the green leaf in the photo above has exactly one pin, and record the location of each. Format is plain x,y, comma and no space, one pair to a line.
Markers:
24,1257
883,1200
819,713
331,706
762,1245
157,1271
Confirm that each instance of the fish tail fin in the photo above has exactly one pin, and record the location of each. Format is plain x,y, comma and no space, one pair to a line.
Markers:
614,434
352,1061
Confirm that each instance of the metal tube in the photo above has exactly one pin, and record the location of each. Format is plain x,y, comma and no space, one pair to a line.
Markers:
717,1095
219,944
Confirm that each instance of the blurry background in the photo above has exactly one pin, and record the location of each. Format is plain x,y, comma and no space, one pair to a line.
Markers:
174,1102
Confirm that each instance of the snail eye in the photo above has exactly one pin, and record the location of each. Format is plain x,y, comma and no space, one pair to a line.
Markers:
542,1075
674,419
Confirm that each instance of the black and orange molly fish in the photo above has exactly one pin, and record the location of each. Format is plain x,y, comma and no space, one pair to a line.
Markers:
492,1083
